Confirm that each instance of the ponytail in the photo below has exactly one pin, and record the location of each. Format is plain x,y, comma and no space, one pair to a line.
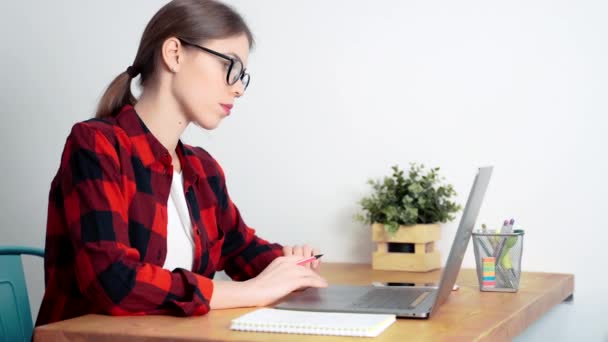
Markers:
116,96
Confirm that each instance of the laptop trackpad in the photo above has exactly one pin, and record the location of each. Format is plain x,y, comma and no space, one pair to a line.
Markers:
335,296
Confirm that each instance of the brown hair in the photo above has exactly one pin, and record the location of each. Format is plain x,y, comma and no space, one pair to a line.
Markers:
191,20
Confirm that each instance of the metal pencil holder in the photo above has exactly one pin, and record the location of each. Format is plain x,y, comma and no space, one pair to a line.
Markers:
498,260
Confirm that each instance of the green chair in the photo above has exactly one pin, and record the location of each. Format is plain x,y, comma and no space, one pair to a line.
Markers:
15,314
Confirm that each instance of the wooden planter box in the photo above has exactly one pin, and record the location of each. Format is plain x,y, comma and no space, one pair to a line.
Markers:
422,258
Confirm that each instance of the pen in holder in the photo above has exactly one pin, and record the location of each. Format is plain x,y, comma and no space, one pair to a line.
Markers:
498,260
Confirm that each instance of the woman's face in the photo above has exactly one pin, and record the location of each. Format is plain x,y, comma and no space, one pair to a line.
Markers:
200,85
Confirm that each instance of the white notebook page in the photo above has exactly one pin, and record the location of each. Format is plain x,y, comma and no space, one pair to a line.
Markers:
316,323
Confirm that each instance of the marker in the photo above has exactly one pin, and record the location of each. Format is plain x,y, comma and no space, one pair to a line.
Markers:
307,260
501,253
511,223
505,261
504,227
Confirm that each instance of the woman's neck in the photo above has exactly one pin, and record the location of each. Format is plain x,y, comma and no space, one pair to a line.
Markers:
162,117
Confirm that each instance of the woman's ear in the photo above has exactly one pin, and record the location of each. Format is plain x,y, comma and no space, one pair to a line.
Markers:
172,51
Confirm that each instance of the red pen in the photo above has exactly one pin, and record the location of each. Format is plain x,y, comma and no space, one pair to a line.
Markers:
307,260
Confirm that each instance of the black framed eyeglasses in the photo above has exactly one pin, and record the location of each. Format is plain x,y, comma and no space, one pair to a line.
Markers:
236,70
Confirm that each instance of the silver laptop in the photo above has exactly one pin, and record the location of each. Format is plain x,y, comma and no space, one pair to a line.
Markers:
403,301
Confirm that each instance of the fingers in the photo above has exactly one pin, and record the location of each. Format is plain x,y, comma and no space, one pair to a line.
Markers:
292,259
287,272
307,251
282,276
303,251
286,261
313,280
279,262
305,277
316,265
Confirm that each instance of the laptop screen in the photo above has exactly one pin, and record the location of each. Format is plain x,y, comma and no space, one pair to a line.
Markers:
463,235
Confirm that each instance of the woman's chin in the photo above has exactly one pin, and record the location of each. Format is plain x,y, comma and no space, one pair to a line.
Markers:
208,124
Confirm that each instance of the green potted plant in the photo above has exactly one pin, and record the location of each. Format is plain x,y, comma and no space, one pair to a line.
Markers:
405,212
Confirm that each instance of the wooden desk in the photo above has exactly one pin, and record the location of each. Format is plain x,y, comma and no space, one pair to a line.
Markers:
467,315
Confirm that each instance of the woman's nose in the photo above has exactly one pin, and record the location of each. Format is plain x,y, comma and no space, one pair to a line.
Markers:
238,89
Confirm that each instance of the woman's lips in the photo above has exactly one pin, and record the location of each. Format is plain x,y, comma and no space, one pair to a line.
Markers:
227,108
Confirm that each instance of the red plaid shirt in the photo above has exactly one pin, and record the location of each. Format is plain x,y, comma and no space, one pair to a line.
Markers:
106,238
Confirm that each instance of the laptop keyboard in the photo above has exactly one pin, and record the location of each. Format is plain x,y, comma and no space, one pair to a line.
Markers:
388,298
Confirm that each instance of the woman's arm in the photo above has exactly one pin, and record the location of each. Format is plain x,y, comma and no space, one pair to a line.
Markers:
244,255
262,273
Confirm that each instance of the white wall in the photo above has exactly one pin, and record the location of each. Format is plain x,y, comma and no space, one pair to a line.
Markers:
340,91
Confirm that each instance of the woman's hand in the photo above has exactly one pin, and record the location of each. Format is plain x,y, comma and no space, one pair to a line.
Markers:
304,251
281,277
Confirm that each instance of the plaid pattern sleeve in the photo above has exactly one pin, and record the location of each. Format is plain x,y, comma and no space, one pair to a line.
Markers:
244,255
88,216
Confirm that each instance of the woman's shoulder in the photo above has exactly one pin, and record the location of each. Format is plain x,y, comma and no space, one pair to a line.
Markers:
104,126
94,133
198,152
201,158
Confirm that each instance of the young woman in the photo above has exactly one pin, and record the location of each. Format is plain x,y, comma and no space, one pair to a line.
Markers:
138,222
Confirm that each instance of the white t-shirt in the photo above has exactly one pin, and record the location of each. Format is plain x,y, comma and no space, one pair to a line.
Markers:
180,243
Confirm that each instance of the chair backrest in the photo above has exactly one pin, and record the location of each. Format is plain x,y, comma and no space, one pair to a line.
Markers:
15,314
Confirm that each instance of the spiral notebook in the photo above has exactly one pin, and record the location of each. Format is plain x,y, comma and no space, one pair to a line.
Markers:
313,323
